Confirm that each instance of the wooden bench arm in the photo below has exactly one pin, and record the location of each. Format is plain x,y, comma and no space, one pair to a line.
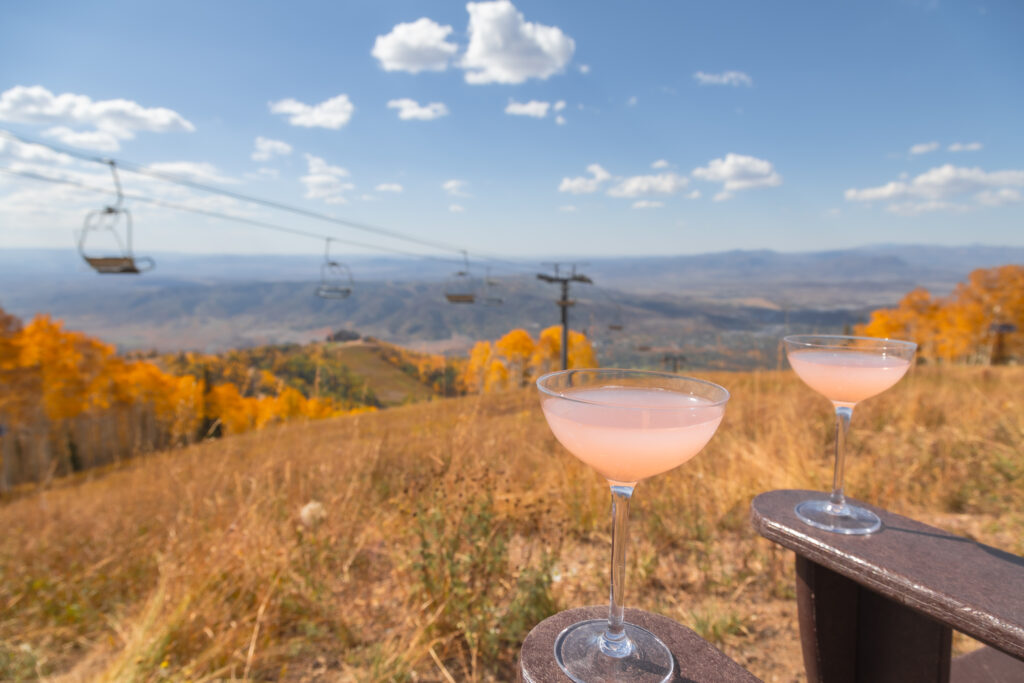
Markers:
886,602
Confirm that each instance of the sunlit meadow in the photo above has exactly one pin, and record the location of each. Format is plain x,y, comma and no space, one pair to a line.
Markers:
446,530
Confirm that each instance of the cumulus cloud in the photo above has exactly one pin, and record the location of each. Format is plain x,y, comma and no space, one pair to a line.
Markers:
964,147
694,194
82,122
660,163
537,110
456,208
647,204
411,110
414,47
389,187
934,189
631,102
333,113
559,105
738,172
924,148
734,78
32,153
98,140
999,197
456,188
200,172
505,48
584,185
266,149
560,120
326,182
636,186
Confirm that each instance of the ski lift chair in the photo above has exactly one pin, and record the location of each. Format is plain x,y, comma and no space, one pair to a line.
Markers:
491,295
335,278
115,220
460,288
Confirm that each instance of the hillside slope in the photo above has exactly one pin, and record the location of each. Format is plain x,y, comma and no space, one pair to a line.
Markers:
433,536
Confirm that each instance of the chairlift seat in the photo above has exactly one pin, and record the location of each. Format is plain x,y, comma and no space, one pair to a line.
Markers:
112,265
333,292
335,280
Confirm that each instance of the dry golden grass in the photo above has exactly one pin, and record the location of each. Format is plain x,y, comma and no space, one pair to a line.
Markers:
450,528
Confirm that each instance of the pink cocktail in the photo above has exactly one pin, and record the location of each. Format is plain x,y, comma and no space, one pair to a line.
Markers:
628,434
628,425
846,370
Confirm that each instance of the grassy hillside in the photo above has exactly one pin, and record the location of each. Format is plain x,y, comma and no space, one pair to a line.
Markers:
422,543
390,384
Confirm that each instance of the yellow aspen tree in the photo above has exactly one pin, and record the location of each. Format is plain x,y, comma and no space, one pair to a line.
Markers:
497,376
516,347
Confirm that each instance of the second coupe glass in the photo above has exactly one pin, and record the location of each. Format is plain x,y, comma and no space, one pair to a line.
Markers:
846,370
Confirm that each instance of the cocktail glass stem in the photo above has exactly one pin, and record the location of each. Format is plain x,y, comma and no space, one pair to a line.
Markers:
843,415
614,642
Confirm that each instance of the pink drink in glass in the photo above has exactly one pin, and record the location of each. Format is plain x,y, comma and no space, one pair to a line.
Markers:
846,370
847,377
631,433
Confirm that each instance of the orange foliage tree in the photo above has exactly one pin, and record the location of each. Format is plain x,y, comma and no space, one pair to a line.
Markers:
981,321
516,357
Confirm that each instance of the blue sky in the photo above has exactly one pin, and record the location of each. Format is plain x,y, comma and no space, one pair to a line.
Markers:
523,129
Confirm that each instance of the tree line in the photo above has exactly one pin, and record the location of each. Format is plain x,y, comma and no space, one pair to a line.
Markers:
981,321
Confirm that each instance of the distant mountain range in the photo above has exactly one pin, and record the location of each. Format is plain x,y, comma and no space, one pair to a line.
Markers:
738,300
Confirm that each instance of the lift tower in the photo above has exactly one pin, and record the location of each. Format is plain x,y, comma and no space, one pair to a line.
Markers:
565,302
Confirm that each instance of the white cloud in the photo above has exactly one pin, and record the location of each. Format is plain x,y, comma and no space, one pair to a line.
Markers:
409,110
333,113
738,172
647,204
924,148
932,190
917,208
98,140
631,102
663,183
559,105
965,147
504,48
415,47
537,110
456,188
660,163
695,194
560,120
584,185
200,172
326,182
567,208
30,152
389,187
456,208
80,121
999,197
734,78
584,68
266,149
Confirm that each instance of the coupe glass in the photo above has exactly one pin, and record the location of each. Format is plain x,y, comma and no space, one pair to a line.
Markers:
846,370
628,425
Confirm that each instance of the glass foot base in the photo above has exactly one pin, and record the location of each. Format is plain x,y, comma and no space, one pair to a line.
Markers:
840,519
578,650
